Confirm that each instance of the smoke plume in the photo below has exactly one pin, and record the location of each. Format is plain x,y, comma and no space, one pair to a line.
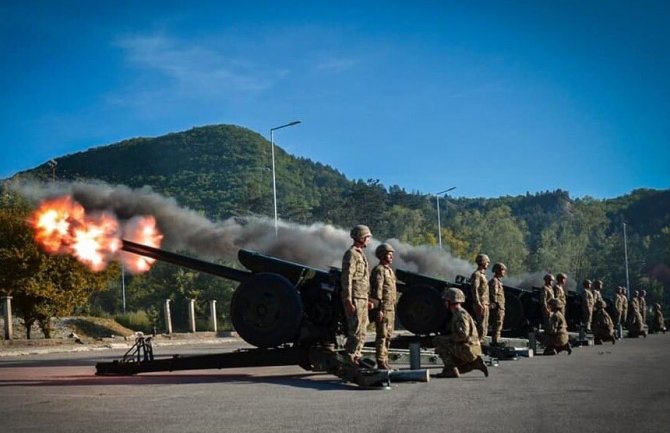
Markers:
318,245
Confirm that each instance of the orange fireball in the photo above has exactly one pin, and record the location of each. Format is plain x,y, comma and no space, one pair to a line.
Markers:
63,227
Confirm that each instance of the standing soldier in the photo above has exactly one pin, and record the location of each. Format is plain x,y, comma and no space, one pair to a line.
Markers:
635,323
619,299
480,295
497,300
657,322
460,350
588,301
556,335
643,306
597,291
546,296
603,326
383,291
355,291
560,290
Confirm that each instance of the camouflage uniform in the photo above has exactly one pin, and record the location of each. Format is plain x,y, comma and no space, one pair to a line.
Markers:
588,302
461,347
624,307
603,326
560,292
657,321
480,298
635,323
643,306
556,335
356,287
546,296
383,287
498,300
618,307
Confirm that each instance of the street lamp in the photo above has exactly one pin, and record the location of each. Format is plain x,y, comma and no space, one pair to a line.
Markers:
625,253
52,163
439,225
274,179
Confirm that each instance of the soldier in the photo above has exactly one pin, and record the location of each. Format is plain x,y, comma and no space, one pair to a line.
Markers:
657,321
635,323
383,291
618,305
460,350
556,335
603,326
480,295
597,291
588,301
356,291
497,300
560,290
643,306
546,295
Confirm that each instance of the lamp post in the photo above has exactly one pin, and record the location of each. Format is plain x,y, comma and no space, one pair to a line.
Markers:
53,164
439,225
625,253
274,179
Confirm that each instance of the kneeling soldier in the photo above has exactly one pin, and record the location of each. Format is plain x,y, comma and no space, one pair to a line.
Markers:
556,335
657,321
460,350
602,325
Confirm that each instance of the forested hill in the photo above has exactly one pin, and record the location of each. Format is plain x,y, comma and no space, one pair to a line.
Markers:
225,170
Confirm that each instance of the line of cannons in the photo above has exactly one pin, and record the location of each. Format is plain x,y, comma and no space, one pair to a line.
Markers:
293,315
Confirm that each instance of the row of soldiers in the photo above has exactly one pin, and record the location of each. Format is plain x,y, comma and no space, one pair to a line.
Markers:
460,350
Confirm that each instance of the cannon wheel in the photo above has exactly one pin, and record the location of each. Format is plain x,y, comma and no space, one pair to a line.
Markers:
421,310
266,310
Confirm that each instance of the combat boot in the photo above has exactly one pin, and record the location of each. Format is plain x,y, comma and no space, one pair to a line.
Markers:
481,366
448,372
568,348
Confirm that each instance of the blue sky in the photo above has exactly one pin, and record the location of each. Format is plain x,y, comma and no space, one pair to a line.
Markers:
496,98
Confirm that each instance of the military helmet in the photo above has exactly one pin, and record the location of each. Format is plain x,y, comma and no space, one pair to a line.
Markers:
586,283
453,295
498,267
598,283
382,249
481,258
561,276
360,231
549,277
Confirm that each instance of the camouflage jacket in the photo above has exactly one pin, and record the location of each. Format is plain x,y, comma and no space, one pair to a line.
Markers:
602,322
588,300
383,286
464,331
355,274
559,293
547,294
480,288
497,292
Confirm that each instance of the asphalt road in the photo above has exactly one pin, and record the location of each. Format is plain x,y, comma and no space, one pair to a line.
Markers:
620,388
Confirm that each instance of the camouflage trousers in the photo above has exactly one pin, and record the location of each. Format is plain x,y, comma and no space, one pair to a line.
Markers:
587,317
635,323
357,326
498,318
384,330
555,341
453,354
482,319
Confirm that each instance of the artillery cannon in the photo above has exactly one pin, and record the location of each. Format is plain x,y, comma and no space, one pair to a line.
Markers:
292,313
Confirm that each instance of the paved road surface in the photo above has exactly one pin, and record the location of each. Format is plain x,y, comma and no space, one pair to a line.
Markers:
620,388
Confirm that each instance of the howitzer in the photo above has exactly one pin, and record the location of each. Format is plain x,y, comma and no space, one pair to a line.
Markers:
421,309
292,313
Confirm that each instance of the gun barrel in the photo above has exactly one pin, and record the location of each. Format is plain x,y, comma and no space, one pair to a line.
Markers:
187,262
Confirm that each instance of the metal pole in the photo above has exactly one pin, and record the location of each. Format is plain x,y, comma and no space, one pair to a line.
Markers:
439,224
274,179
123,288
625,253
